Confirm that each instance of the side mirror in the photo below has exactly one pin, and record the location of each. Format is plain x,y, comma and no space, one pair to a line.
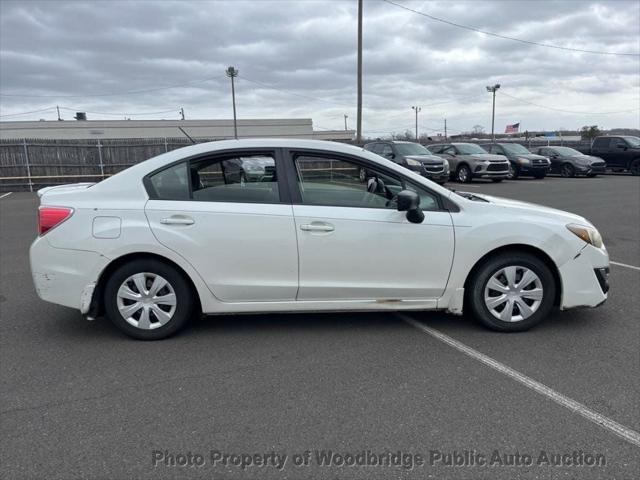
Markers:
409,201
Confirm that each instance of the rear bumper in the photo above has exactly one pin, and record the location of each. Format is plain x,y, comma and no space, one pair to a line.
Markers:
63,276
581,285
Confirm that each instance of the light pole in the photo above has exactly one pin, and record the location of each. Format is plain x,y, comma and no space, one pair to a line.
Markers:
233,73
417,110
493,89
359,86
345,122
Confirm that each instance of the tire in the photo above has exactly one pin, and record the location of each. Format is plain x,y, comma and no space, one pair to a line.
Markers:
514,172
497,180
463,174
121,287
634,167
567,170
493,269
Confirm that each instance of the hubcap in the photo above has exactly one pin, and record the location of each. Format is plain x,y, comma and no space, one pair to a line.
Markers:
566,171
146,300
513,293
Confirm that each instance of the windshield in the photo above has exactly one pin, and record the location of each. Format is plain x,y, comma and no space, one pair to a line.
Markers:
516,149
566,151
470,149
411,149
633,141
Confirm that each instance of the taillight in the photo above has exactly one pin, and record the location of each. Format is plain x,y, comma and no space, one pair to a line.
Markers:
50,217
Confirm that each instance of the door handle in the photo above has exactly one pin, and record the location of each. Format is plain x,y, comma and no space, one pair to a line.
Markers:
176,220
317,227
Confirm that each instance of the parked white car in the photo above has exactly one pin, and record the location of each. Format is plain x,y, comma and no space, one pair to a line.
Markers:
178,235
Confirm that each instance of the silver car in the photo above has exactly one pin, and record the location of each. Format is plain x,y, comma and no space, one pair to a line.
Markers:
468,161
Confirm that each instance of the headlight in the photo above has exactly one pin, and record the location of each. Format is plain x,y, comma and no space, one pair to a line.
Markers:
588,234
522,160
446,165
413,163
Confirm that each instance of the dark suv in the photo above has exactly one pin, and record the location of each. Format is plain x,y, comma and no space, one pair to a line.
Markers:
522,161
412,156
620,153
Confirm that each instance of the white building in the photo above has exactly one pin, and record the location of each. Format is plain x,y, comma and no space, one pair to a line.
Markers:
218,129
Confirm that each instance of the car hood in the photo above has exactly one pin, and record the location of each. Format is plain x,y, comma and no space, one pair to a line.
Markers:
520,206
531,156
425,158
485,156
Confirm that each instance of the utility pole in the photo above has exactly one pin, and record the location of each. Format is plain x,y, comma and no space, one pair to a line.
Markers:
445,129
417,110
493,90
233,73
182,113
345,122
359,108
59,117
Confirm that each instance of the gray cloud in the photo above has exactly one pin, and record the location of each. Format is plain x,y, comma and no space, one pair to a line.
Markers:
308,48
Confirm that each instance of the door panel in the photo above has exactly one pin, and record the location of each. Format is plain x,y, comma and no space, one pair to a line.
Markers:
245,252
372,253
353,244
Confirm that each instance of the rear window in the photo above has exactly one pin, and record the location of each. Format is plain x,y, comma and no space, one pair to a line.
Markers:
240,179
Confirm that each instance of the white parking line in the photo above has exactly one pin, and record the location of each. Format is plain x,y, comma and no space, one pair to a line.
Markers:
5,195
624,265
627,434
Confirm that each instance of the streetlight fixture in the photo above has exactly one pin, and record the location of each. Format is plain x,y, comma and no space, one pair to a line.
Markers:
493,90
417,110
233,73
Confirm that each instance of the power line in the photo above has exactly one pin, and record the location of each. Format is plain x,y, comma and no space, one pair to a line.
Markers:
505,37
27,113
113,94
88,111
567,111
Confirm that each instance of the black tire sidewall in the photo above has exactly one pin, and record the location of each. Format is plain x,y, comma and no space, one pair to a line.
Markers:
182,289
475,295
571,172
464,167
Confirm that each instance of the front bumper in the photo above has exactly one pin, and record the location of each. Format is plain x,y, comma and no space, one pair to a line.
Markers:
64,276
491,170
440,177
581,285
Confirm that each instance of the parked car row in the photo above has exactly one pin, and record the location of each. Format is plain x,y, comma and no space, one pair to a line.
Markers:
497,161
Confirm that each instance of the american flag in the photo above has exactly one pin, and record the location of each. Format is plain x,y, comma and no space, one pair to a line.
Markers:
512,128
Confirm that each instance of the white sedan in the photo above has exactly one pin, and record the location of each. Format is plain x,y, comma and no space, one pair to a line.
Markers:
182,234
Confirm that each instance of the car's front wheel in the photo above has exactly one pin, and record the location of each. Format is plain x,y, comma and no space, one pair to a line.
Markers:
634,167
567,170
463,174
512,292
148,299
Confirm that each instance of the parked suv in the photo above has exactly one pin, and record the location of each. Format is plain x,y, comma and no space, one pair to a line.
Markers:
569,162
468,161
620,153
522,161
414,157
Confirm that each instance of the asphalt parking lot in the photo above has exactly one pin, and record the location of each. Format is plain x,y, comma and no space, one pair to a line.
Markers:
80,400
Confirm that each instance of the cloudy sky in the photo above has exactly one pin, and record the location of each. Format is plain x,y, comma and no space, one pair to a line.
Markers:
297,59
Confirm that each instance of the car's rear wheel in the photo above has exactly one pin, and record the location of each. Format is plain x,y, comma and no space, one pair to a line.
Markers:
567,170
512,292
634,168
463,174
148,299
